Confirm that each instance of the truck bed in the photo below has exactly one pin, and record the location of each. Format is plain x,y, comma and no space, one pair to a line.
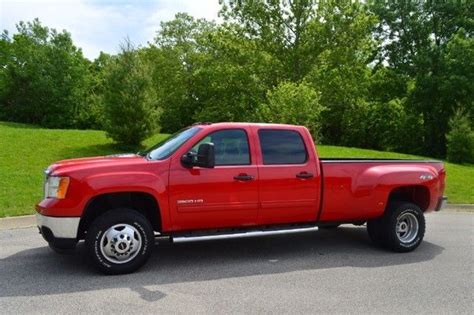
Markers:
357,189
376,160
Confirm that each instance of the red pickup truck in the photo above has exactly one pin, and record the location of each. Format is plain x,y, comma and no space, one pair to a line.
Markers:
225,180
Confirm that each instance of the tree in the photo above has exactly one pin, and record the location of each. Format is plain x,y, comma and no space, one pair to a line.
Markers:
340,71
460,138
130,104
91,114
43,76
280,28
326,44
415,40
456,82
233,78
292,103
176,57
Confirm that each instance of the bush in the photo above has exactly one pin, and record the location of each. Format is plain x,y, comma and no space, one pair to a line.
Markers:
460,139
130,106
356,125
389,119
292,103
378,125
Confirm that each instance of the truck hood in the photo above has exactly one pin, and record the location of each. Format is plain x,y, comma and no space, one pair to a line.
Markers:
72,165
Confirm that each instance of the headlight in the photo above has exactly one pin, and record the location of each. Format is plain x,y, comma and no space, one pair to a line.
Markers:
56,187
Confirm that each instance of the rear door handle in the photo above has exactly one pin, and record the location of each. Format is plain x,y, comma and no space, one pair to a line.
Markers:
304,175
243,177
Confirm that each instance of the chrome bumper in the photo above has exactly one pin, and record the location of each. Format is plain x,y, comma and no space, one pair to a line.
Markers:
61,227
441,203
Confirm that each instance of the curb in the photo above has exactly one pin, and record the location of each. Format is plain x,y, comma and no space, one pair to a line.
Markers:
19,222
26,221
461,206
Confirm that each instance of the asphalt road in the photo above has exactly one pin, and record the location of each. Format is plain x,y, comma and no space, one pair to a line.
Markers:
320,272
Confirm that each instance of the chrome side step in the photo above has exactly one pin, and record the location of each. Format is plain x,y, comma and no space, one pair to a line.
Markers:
184,239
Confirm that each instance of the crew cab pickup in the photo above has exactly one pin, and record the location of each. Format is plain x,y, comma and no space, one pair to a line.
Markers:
225,180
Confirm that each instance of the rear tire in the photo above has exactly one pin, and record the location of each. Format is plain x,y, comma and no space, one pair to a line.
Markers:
119,241
374,229
401,229
406,228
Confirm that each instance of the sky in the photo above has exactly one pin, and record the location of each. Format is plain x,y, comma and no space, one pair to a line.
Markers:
101,25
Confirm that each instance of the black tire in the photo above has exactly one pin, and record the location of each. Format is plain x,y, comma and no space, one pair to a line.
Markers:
383,231
102,224
374,229
393,241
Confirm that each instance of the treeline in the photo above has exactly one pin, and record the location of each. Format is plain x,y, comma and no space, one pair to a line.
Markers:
389,75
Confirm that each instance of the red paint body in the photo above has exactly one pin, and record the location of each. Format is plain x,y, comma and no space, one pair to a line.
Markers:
340,191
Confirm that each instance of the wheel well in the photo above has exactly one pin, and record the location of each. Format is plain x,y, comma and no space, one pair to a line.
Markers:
139,201
419,195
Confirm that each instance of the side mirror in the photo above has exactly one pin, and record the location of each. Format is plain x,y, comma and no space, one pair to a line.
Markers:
203,158
205,155
188,159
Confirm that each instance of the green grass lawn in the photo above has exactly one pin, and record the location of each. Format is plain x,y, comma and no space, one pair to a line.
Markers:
25,151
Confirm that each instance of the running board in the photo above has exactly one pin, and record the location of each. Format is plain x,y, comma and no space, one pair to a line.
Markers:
184,239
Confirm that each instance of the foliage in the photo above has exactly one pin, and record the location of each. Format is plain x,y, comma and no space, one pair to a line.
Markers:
176,57
430,42
232,79
91,115
291,103
43,76
341,70
278,28
460,139
389,74
131,111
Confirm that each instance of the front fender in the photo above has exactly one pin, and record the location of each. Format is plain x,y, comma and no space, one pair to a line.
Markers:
83,189
145,182
126,181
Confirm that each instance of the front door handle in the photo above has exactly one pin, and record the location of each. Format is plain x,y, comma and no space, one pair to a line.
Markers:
304,175
243,177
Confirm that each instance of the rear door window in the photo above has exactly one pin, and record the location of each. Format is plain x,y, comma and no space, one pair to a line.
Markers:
282,147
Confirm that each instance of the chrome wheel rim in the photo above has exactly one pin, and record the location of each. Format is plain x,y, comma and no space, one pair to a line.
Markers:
407,227
120,243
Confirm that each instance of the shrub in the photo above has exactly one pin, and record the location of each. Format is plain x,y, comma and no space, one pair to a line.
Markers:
460,139
356,126
388,119
377,125
292,103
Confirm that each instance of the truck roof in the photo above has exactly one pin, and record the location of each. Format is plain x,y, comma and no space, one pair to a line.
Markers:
244,124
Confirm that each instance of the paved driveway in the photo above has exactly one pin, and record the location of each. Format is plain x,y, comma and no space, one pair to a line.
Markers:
326,271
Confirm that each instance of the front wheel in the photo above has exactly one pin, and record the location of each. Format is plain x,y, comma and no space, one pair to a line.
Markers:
119,241
401,229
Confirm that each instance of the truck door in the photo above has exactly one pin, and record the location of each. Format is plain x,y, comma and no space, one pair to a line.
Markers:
289,177
223,196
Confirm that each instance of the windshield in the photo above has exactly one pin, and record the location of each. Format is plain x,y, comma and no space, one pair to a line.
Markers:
168,146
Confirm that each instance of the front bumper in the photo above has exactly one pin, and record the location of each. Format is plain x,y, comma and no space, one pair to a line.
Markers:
441,203
60,232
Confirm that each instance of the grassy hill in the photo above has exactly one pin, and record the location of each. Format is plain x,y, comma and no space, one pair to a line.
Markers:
25,151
